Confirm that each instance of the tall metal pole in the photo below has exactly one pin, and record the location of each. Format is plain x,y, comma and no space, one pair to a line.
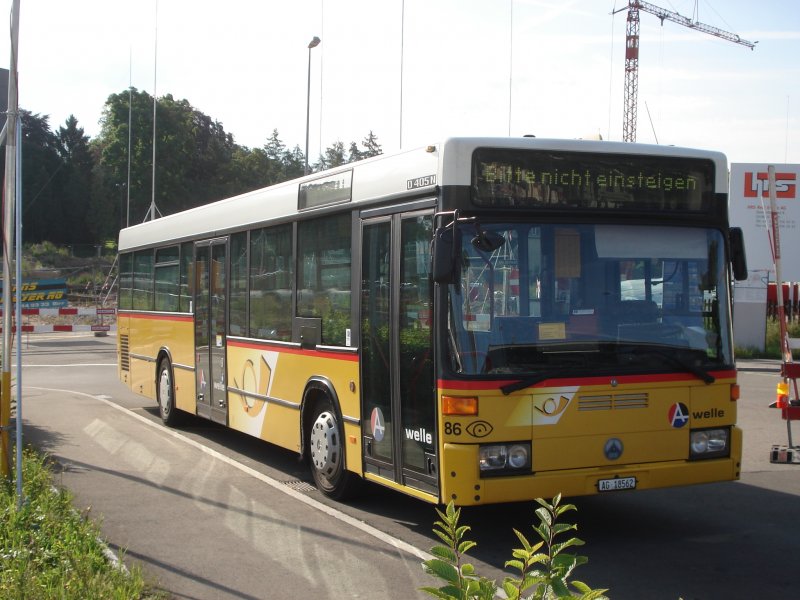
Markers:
130,119
152,212
510,60
402,48
18,314
8,244
312,44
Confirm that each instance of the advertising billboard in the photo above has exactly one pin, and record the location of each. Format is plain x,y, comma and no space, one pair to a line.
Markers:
749,207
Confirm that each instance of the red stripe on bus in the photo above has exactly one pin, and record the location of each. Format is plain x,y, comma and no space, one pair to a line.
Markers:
580,381
348,356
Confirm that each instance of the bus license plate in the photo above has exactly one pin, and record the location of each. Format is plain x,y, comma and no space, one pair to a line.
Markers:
618,483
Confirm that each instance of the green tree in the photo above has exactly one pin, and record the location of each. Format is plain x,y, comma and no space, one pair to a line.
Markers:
284,164
355,154
75,183
42,213
333,157
371,146
112,144
193,157
293,163
196,160
210,152
248,169
275,151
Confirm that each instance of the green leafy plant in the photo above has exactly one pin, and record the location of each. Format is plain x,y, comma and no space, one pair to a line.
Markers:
544,568
461,581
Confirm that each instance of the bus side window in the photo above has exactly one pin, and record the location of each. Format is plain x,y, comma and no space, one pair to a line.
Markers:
271,283
237,297
323,275
186,276
143,280
125,281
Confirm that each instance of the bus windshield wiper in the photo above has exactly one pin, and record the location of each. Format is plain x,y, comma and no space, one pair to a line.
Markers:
671,357
676,360
565,360
529,381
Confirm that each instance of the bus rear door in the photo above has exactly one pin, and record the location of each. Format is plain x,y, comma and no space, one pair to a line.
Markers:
209,329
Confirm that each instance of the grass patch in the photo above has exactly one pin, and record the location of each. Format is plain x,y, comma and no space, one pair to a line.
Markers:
772,346
49,550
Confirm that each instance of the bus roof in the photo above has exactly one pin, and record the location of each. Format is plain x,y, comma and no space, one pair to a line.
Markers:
373,180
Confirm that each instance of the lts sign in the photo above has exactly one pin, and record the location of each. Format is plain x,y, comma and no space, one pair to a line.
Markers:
749,206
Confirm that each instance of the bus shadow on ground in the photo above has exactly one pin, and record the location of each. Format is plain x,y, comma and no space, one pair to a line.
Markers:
725,540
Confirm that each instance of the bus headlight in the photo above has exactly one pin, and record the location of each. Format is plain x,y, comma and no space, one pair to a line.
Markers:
505,459
709,443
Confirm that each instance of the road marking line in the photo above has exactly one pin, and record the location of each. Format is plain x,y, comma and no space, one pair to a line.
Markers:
324,508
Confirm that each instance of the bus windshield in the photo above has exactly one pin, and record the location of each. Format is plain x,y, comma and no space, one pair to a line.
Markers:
548,300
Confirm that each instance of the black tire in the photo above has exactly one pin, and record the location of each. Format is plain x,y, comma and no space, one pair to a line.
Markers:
327,454
165,394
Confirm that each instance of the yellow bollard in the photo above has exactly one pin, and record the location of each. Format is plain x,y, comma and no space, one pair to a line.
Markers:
5,424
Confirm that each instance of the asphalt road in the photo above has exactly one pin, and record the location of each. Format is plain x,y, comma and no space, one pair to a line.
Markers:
210,513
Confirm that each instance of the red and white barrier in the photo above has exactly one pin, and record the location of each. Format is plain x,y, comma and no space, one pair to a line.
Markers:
66,311
59,328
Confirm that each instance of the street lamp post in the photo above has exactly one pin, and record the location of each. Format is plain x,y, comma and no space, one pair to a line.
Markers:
312,44
122,216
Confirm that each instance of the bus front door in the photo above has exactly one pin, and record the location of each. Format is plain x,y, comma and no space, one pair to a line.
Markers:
209,330
398,392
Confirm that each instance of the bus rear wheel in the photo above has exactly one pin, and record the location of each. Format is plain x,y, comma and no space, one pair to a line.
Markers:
326,454
165,394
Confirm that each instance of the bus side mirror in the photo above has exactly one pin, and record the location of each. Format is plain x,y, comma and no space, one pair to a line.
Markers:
738,256
446,245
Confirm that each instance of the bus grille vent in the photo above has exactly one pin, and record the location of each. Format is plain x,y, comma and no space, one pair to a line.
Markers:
612,401
124,353
630,400
602,402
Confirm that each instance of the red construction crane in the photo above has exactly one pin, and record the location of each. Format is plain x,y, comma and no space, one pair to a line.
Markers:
632,53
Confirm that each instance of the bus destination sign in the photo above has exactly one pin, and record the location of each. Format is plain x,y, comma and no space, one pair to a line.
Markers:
593,181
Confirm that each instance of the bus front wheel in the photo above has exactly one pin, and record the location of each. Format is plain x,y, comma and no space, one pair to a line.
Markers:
326,454
165,391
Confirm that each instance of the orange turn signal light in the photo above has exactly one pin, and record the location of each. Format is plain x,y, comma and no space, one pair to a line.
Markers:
735,391
459,405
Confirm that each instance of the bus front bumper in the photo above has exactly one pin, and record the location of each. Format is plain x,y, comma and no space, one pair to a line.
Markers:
463,485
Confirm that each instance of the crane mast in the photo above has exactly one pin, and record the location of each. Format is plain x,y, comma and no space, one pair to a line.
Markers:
632,53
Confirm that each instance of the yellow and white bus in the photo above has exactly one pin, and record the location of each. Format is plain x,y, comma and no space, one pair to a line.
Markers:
482,320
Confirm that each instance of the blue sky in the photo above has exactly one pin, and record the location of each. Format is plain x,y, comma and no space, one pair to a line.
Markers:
552,68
